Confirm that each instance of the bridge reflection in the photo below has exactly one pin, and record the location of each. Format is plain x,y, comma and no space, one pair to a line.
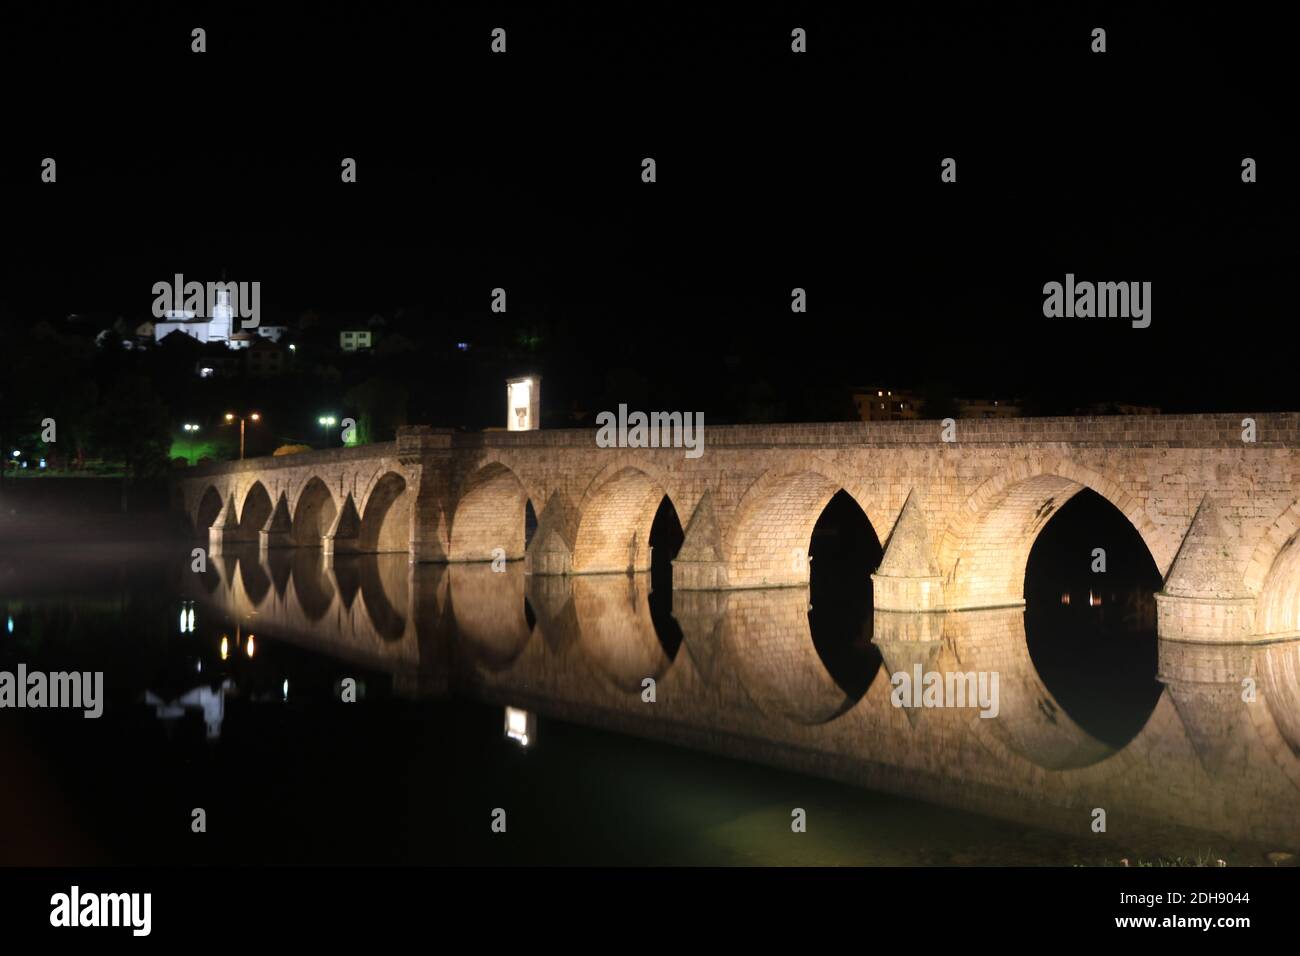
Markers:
1216,759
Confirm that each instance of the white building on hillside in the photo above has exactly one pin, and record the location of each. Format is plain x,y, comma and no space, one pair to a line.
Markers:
218,327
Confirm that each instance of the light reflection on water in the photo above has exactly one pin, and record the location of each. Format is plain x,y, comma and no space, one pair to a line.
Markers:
1182,766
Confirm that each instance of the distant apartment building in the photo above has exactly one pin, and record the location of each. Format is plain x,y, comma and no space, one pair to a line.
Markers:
264,360
1118,408
877,404
988,408
353,340
217,366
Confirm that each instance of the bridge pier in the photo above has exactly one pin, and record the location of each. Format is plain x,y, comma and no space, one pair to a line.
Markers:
1206,620
699,565
908,578
429,480
278,532
428,550
551,550
343,536
225,529
1204,600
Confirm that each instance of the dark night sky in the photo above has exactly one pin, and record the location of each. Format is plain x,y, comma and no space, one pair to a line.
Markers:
775,171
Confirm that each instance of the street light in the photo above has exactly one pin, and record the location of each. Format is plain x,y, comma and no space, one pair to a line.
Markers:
326,421
230,420
192,429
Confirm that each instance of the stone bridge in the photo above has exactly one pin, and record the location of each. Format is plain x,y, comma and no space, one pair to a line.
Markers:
1218,513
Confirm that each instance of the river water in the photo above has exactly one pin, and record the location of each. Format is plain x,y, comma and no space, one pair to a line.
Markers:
225,693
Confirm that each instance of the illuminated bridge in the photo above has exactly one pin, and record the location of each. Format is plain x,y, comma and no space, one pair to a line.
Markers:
1218,513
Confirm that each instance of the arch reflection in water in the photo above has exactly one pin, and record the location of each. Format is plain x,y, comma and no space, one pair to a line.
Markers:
768,637
1030,721
356,607
612,613
748,683
489,610
1277,667
605,622
1239,706
907,641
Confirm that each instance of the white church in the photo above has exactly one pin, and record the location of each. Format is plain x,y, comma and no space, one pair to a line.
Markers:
219,327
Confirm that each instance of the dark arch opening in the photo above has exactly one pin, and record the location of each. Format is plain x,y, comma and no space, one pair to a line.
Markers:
844,551
530,522
385,521
666,537
1092,634
209,508
314,514
255,513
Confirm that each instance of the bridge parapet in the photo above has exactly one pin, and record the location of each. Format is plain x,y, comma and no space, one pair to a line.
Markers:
1272,429
319,458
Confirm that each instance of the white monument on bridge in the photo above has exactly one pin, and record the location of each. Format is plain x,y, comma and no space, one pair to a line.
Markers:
523,403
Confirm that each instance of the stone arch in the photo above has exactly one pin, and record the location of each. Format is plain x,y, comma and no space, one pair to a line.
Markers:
1273,575
1278,608
386,516
209,506
985,549
255,511
614,519
768,543
313,513
489,514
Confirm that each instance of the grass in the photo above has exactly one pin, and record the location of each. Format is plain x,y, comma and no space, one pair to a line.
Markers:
1204,859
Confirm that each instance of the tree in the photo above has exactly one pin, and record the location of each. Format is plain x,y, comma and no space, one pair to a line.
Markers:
42,378
380,405
131,425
